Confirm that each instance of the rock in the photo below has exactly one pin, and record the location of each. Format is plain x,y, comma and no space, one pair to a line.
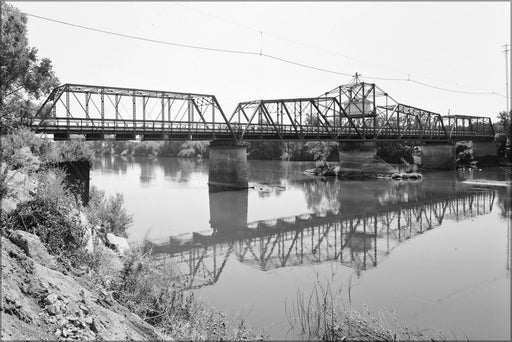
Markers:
53,309
34,248
22,318
89,233
93,326
119,243
78,323
50,299
84,309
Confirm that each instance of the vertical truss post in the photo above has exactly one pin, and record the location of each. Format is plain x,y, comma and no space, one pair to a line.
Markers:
300,114
134,110
168,109
163,113
374,111
213,119
190,109
68,112
116,102
363,98
398,121
87,97
102,109
144,109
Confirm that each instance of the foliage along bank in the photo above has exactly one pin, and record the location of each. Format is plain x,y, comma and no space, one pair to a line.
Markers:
77,237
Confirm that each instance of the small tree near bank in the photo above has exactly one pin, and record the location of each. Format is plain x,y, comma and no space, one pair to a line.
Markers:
24,78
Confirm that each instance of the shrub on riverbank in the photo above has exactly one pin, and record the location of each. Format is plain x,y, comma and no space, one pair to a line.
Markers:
108,212
22,148
61,233
51,212
157,294
324,316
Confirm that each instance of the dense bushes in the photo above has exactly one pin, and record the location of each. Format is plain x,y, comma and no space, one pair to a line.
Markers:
182,149
60,231
394,152
24,149
108,212
157,295
51,213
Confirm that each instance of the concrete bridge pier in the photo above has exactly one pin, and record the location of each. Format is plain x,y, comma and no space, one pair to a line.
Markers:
438,156
227,166
361,157
486,153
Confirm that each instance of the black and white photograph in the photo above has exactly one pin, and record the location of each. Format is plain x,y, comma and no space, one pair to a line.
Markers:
255,170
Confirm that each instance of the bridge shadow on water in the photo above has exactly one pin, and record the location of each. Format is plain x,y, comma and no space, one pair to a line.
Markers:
354,223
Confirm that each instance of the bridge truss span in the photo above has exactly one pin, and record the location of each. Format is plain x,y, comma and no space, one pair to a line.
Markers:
356,111
96,111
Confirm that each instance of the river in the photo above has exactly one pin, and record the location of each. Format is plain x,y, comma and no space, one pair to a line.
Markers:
436,251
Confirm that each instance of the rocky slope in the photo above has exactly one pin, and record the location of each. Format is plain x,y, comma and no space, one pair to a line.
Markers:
41,301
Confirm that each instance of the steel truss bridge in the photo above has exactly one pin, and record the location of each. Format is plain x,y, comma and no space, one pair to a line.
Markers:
359,242
356,111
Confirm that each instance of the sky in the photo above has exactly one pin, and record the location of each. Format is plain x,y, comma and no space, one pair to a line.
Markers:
454,45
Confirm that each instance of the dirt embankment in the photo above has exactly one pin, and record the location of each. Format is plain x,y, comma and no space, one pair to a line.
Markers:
41,301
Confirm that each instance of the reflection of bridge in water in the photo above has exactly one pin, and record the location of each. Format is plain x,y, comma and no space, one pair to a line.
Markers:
357,239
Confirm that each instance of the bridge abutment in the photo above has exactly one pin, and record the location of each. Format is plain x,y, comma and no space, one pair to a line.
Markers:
486,153
438,156
78,178
227,165
361,157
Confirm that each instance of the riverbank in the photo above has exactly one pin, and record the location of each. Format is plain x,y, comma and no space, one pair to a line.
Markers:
69,273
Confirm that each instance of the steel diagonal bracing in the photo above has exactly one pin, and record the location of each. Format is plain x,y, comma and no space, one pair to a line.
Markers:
133,112
356,111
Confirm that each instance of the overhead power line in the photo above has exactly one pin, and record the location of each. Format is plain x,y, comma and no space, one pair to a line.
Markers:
322,49
252,53
144,39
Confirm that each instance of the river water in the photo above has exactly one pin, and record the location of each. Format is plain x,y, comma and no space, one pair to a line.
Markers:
436,251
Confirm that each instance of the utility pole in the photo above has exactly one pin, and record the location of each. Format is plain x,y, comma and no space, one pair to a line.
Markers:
506,50
509,114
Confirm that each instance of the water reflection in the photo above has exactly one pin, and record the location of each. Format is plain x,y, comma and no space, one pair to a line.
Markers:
354,223
173,168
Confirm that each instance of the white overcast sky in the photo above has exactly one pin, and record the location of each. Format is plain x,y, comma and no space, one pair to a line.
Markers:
456,45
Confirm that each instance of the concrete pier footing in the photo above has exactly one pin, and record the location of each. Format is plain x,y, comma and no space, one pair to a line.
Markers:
486,153
438,156
362,157
228,166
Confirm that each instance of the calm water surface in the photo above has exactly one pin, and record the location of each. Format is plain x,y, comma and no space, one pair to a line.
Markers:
436,251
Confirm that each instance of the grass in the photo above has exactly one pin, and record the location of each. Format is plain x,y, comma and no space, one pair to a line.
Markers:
156,292
323,315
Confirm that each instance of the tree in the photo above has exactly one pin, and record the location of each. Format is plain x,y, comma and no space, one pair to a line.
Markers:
503,124
503,130
24,79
